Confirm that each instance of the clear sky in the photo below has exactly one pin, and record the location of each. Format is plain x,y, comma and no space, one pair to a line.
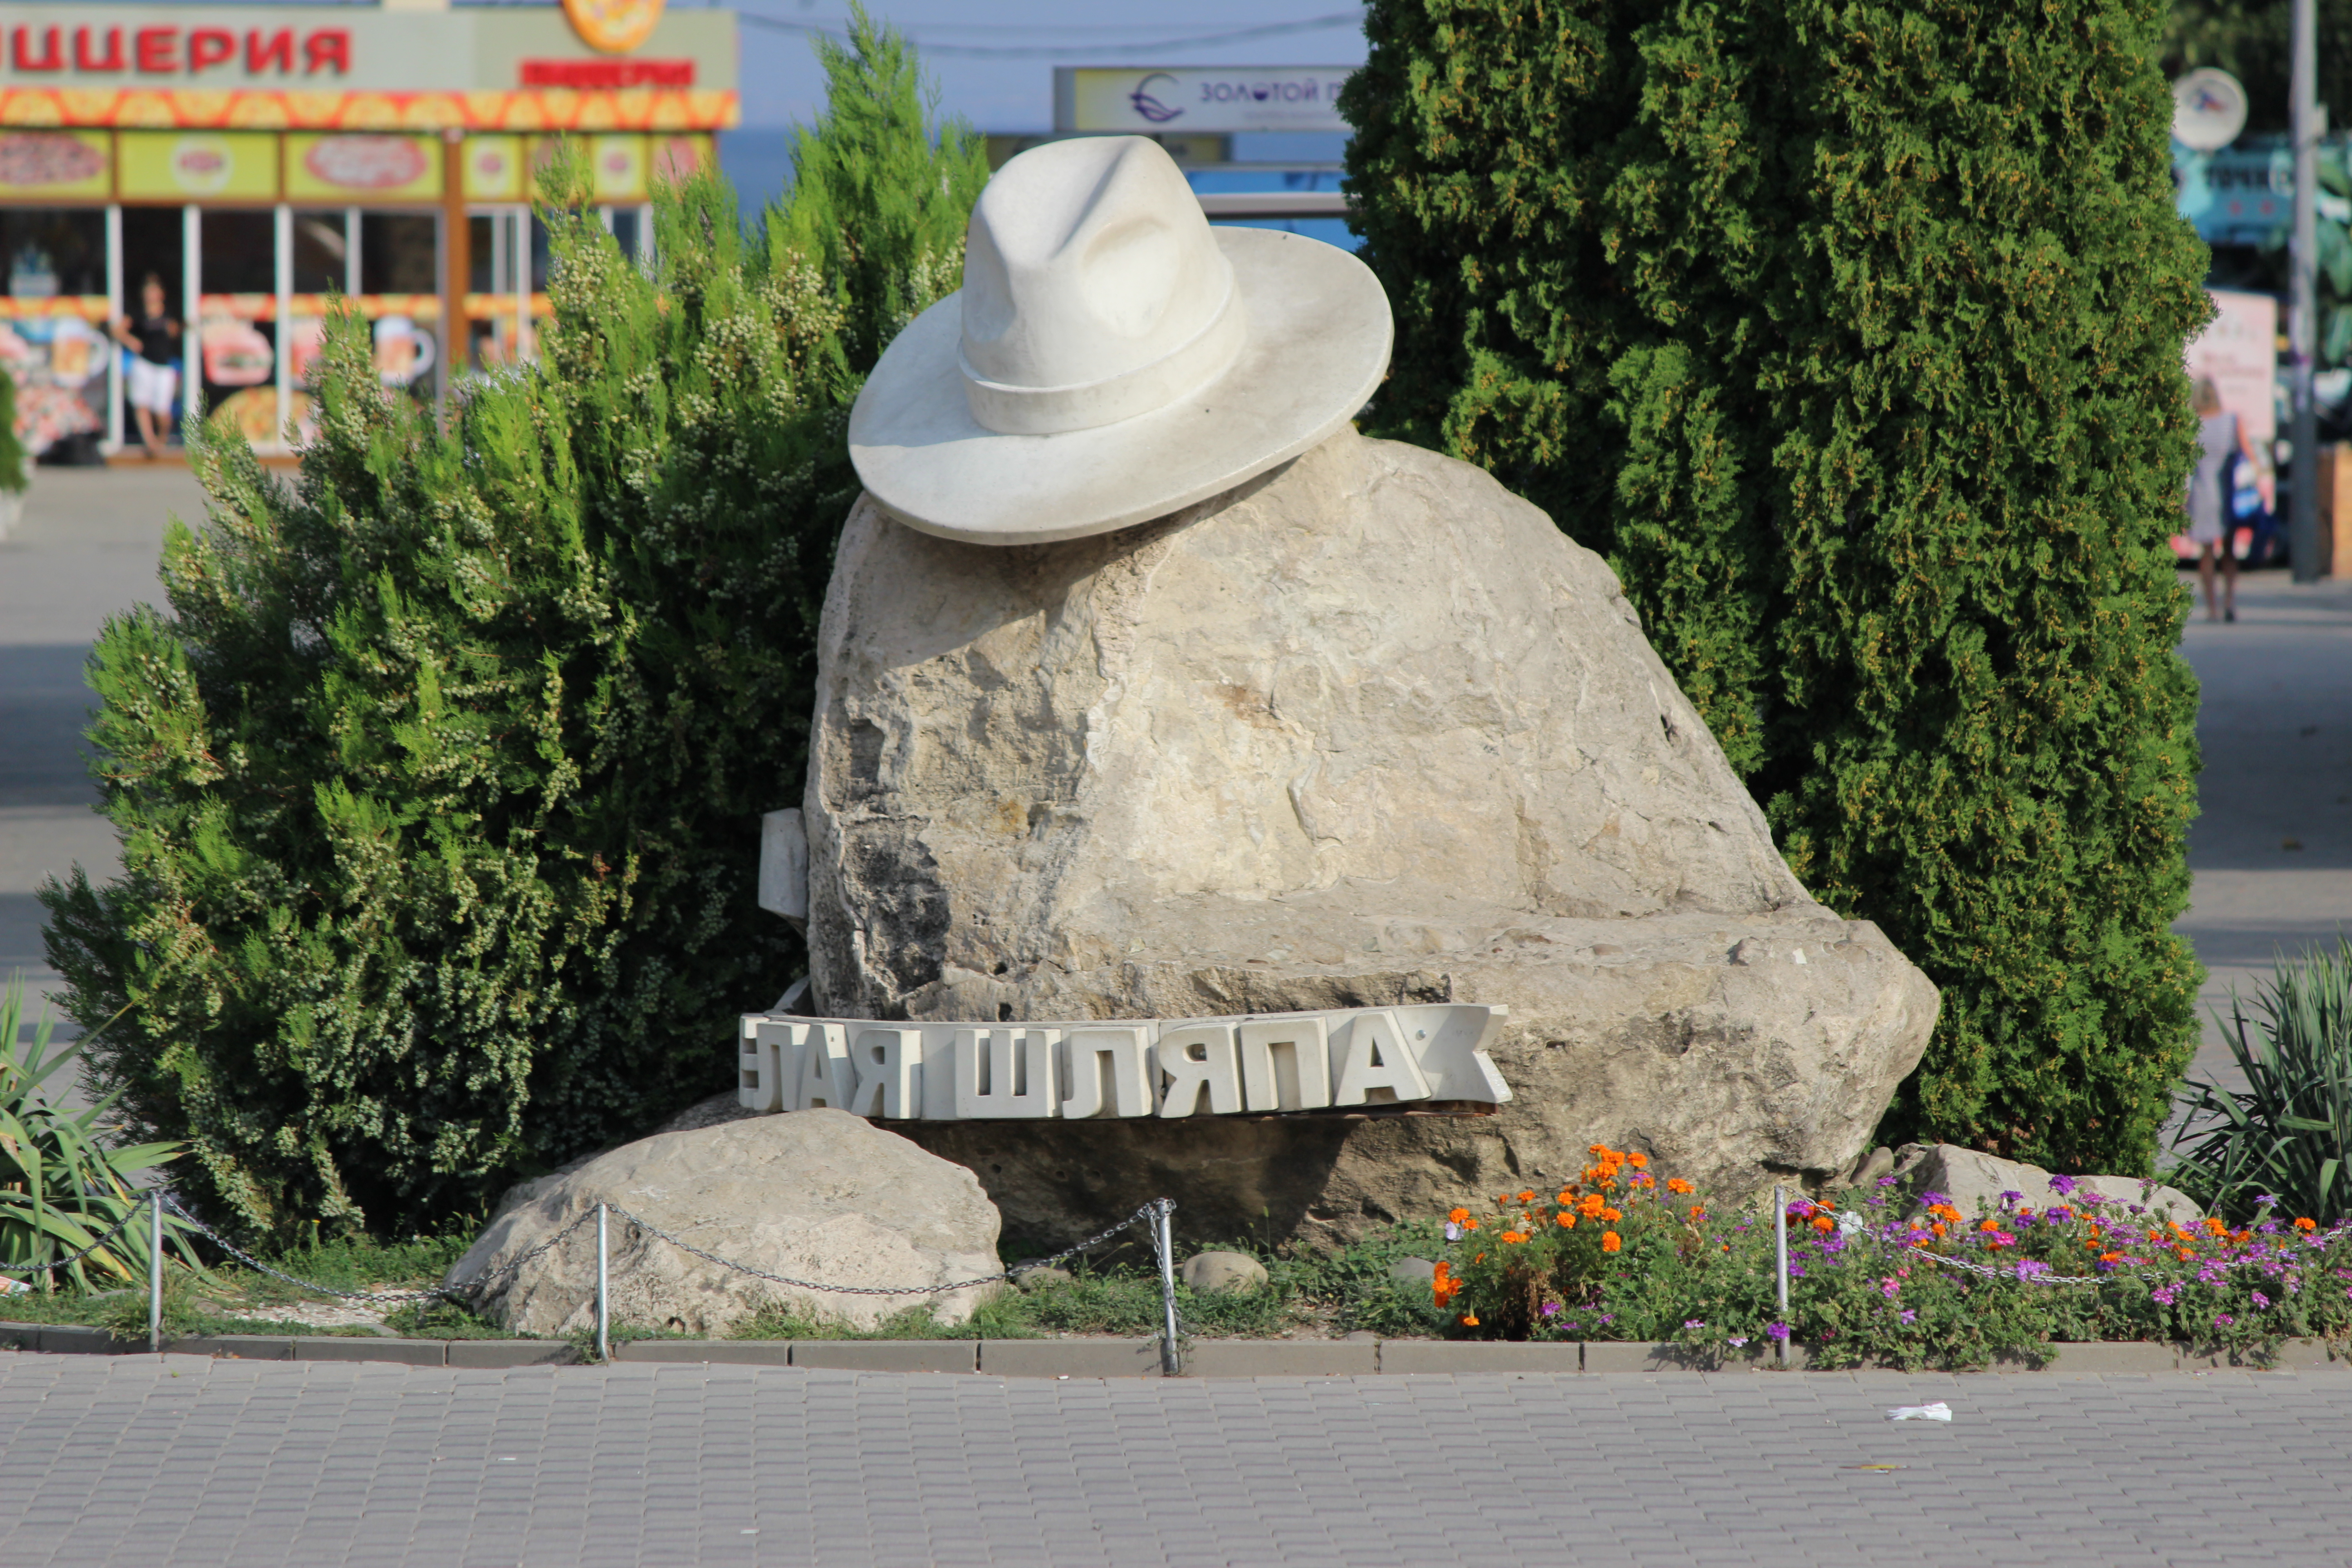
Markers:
1013,87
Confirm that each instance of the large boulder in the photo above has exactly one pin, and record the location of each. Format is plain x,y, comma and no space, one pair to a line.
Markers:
819,1195
1971,1180
1368,730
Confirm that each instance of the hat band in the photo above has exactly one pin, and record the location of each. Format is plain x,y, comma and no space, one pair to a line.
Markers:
1010,410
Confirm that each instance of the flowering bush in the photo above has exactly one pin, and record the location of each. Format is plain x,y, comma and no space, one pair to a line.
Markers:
1622,1253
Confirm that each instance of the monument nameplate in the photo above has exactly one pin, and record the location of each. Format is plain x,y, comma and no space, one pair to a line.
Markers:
1128,1066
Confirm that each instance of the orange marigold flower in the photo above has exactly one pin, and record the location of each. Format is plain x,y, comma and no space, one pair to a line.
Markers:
1529,1196
2217,1226
1514,1236
1822,1222
1638,1160
1459,1216
1469,1319
1677,1185
1567,1221
1698,1212
1443,1269
2184,1254
1593,1204
2111,1257
1609,1242
1989,1226
1565,1199
2306,1225
1598,1151
1469,1224
1939,1227
1612,1215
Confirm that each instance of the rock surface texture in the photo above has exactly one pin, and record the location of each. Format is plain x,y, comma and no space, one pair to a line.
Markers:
815,1194
1973,1179
1366,731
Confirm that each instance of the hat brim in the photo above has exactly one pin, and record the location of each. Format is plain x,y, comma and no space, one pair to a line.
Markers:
1319,343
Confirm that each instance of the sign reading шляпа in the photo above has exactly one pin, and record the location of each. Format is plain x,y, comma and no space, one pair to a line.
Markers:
1210,99
1140,1066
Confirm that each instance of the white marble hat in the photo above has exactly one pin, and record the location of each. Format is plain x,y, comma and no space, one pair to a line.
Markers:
1111,357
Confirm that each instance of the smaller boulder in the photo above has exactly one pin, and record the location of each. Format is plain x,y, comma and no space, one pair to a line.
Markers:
1210,1271
1419,1270
815,1195
1043,1279
1969,1177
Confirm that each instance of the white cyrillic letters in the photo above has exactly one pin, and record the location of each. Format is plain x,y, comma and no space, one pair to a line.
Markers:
1119,1054
889,1064
1374,1067
760,1083
824,1077
1004,1072
1286,1064
1192,1057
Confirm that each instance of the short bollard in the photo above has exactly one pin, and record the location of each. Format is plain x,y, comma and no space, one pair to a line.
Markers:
1164,1239
155,1271
603,1290
1780,1259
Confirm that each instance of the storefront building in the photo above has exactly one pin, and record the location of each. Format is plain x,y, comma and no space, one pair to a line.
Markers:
256,160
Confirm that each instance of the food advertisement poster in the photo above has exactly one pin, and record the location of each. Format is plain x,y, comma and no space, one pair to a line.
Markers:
47,165
364,167
173,166
494,168
617,168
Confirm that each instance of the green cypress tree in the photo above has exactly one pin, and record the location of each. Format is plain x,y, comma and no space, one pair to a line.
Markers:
1850,333
439,784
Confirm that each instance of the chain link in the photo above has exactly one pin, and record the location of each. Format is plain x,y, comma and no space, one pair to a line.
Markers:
389,1298
1001,1276
120,1227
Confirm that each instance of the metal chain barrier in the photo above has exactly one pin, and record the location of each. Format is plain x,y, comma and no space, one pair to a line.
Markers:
1147,1211
31,1269
446,1293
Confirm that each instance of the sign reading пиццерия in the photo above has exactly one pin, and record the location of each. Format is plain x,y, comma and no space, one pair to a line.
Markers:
1128,1067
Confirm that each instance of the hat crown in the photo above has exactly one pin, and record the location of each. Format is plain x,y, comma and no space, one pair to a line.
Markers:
1093,288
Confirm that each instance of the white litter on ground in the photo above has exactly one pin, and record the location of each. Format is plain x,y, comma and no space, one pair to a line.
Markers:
1939,1411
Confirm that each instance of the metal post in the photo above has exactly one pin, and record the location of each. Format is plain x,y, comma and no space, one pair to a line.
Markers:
2302,304
1164,1238
114,312
155,1271
1780,1255
604,1289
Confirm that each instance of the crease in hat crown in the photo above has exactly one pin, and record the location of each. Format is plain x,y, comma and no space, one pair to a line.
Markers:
1093,290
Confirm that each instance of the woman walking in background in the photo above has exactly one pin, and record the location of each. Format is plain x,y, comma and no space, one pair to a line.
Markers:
2219,433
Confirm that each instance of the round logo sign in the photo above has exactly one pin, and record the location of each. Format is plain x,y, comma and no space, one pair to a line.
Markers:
2208,110
615,27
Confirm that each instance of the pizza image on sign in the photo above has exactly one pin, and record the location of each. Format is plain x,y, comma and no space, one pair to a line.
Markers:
612,26
32,158
366,163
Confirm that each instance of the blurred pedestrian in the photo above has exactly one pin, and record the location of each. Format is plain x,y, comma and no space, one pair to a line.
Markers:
154,342
2219,433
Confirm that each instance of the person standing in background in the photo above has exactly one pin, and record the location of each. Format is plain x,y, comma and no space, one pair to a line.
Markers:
2219,433
154,339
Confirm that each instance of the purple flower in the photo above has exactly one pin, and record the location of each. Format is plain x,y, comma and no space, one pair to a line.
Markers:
1887,1288
1887,1181
1694,1322
1739,1338
1932,1199
2223,1319
1453,1231
1796,1271
1550,1308
1606,1318
2266,1200
2090,1200
2060,1213
2261,1301
2061,1185
1909,1316
2009,1198
2164,1295
1776,1331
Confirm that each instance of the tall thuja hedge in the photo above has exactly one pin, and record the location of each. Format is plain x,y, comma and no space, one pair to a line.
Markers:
1851,334
439,782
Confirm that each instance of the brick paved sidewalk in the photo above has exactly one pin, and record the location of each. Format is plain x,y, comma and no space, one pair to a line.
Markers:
181,1461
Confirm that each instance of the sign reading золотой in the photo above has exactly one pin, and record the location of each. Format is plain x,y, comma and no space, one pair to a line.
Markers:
1168,1068
1211,99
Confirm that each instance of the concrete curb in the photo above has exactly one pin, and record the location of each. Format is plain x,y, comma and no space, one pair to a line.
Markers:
1096,1358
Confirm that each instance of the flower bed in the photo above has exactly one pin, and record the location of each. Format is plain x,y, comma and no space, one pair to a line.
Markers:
1620,1254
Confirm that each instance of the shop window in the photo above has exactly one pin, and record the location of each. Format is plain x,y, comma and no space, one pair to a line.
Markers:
236,325
53,325
399,262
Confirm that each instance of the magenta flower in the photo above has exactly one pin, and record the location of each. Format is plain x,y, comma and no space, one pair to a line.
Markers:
2261,1301
2223,1319
1909,1316
1776,1331
2062,1186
